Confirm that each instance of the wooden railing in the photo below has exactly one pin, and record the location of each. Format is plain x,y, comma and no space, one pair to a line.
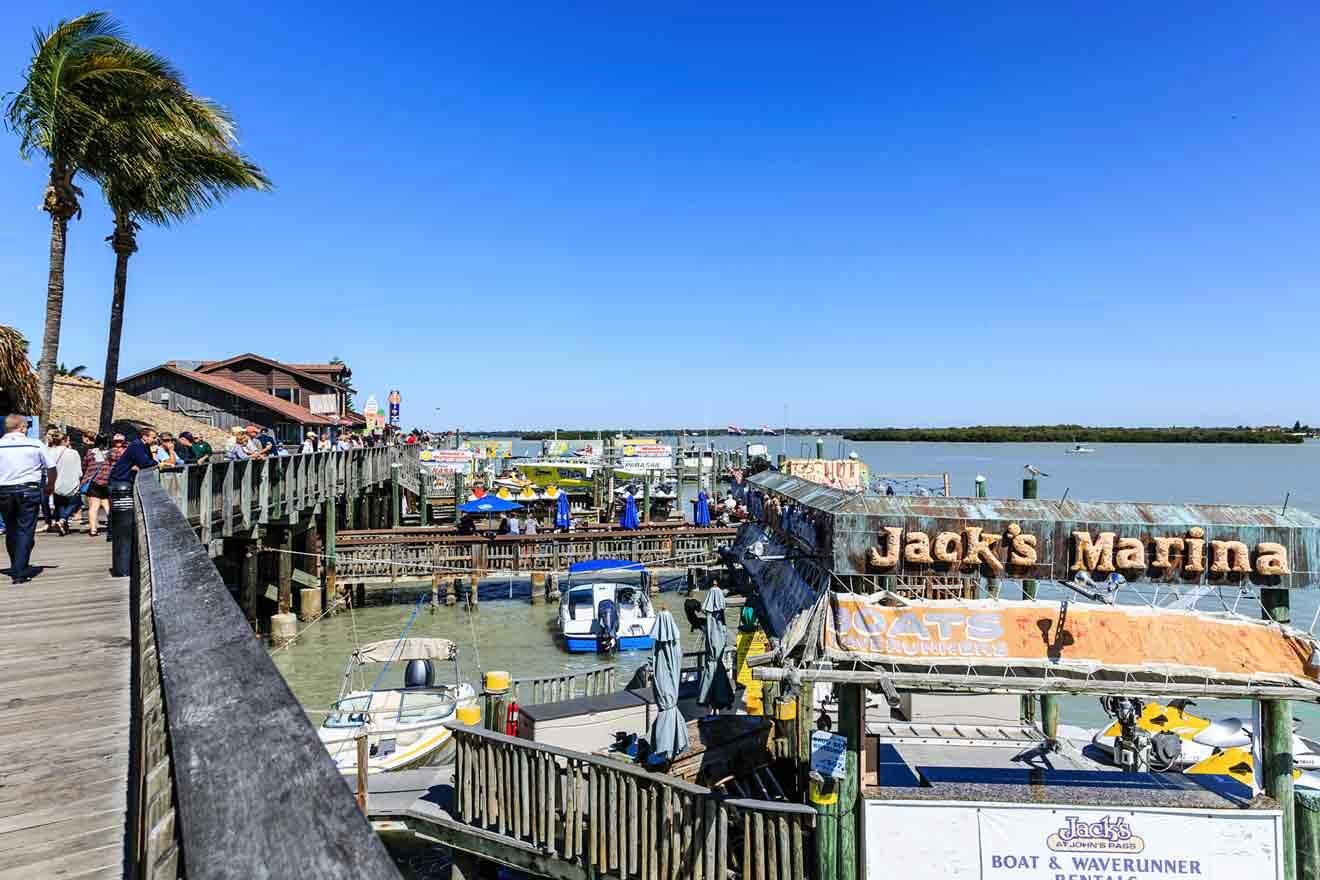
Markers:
615,820
416,554
566,686
223,497
227,776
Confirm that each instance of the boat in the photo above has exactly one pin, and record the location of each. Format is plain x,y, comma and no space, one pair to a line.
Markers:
1220,747
604,616
661,490
569,474
405,726
735,431
1079,449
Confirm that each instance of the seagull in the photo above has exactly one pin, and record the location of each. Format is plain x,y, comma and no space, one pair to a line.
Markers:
1034,471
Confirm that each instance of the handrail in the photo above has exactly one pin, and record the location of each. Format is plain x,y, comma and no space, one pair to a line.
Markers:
612,819
229,778
564,686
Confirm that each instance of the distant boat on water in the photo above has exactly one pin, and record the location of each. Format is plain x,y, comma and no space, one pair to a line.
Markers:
736,431
1079,449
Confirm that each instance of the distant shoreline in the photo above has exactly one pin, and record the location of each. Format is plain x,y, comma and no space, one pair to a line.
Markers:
1073,434
1066,434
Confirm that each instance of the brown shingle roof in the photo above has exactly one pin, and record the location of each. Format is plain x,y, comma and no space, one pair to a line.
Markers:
212,366
285,408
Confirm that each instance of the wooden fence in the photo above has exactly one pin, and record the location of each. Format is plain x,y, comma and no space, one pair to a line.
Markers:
615,820
227,776
566,686
416,554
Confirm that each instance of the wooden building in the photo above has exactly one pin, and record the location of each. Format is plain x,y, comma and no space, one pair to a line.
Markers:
250,389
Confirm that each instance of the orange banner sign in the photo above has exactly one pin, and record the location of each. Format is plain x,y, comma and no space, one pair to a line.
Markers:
1092,638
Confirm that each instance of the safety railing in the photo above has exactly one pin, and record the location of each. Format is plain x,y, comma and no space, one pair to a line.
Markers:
613,819
227,776
222,497
566,686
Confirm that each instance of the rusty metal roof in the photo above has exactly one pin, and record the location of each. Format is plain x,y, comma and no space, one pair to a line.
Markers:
839,501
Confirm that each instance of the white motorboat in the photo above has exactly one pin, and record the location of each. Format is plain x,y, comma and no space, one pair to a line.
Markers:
404,725
1079,449
603,616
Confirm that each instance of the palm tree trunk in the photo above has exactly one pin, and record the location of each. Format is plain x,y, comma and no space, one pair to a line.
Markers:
124,243
50,340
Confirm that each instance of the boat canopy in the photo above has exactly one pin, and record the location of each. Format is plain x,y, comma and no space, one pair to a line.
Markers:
603,564
406,649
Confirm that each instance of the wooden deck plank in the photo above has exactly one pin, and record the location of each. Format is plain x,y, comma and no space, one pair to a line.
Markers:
65,666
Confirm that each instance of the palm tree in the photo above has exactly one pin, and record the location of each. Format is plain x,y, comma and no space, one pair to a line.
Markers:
71,372
192,168
69,98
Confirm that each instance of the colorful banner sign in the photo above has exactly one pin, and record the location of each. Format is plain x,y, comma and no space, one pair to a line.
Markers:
448,460
394,399
1057,842
845,473
1092,638
486,449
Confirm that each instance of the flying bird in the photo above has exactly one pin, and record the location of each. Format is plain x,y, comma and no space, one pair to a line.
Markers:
1034,471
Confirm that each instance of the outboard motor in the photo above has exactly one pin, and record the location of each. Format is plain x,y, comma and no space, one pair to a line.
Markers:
607,616
419,673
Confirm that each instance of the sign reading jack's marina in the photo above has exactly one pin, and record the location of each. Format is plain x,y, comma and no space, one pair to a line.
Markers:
1042,842
870,534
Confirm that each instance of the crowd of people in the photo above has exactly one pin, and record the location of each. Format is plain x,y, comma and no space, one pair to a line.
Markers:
50,480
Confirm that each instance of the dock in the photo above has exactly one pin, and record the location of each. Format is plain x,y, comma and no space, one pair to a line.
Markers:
66,666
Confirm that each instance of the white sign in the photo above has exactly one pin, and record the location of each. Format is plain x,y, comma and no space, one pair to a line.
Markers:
1055,842
827,753
323,404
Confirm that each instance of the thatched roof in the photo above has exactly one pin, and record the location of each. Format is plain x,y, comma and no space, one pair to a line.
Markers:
18,384
77,406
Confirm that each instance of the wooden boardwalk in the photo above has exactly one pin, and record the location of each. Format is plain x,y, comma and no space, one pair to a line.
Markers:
65,670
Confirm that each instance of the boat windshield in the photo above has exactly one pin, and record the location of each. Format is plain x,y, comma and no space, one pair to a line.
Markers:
349,712
431,704
411,706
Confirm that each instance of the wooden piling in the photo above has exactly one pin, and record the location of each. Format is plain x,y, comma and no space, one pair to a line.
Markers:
331,595
852,709
1029,592
1276,744
646,498
495,700
248,588
395,510
363,756
284,569
423,497
538,588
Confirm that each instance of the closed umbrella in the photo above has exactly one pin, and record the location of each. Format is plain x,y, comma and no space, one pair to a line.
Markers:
702,514
628,519
563,519
669,736
716,691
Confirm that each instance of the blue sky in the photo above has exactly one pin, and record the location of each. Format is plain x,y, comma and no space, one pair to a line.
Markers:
564,214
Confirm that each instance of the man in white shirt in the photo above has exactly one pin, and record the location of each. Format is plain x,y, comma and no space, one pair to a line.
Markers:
27,473
513,524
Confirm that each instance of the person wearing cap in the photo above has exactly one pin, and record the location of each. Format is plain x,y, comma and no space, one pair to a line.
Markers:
309,442
135,458
183,451
253,446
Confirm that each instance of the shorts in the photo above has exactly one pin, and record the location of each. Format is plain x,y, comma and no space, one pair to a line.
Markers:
96,490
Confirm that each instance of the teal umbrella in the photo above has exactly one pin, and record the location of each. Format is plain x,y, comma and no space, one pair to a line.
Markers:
669,735
716,691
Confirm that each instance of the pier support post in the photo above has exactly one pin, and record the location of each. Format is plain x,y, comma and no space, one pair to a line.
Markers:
495,700
538,588
451,593
1276,744
395,510
458,497
284,569
283,629
331,594
309,604
836,800
552,586
646,499
248,582
820,447
1029,592
423,497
